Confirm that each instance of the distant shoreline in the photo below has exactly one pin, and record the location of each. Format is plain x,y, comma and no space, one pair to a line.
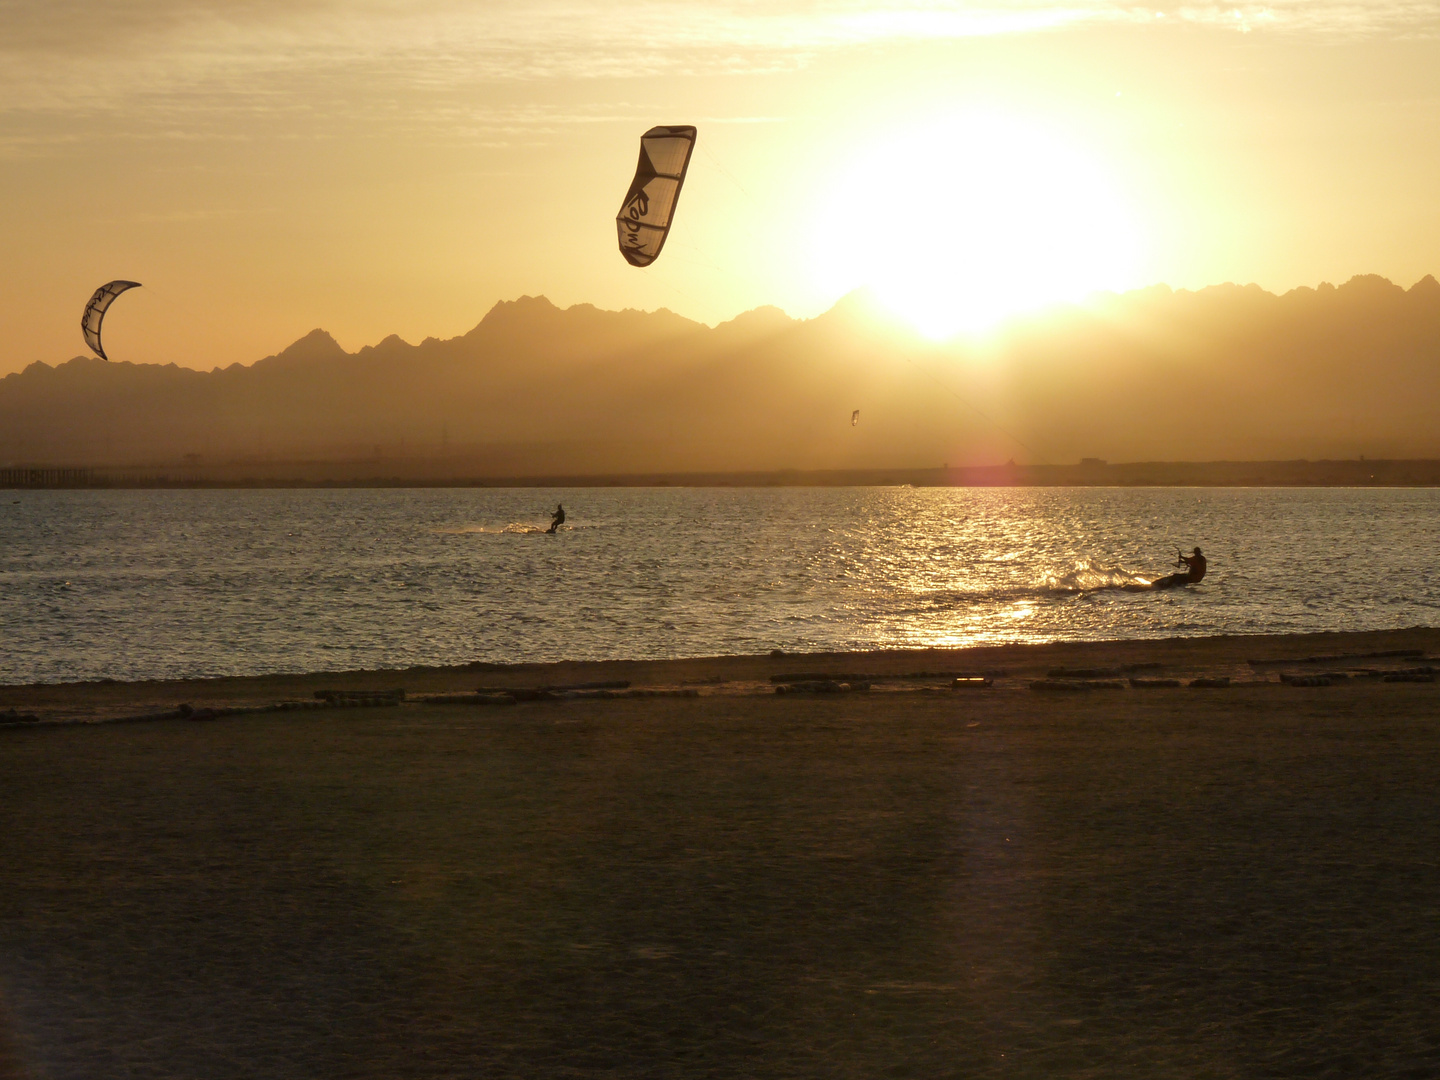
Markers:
455,473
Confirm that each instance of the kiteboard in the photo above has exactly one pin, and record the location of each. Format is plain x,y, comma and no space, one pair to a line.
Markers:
1174,581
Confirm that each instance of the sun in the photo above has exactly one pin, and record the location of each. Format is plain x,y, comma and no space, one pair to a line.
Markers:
960,222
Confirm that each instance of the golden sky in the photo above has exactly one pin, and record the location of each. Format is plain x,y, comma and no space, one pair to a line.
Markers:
268,167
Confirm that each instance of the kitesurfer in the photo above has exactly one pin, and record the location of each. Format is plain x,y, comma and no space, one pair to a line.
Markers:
560,520
1194,564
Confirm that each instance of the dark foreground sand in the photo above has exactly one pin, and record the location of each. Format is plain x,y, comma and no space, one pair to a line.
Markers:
1240,882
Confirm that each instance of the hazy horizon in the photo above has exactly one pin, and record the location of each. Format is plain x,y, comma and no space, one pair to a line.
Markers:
1224,373
862,295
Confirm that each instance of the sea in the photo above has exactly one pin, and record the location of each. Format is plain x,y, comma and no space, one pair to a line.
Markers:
152,584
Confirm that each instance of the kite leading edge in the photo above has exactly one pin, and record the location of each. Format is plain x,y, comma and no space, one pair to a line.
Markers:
95,312
649,207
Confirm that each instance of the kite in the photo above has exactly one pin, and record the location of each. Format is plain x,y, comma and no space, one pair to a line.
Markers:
855,418
95,312
649,207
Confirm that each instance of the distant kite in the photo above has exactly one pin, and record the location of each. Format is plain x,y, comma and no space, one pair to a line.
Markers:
855,418
649,207
95,312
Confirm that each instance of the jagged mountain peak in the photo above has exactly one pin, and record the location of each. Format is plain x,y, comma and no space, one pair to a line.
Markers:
316,346
765,317
1371,285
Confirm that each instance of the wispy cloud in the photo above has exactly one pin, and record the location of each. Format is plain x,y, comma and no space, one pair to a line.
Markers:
1382,17
163,60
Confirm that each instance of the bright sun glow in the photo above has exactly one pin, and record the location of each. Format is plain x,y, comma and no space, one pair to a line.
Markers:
962,222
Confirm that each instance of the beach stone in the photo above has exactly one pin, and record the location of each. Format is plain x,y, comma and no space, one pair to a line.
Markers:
520,693
822,686
498,698
823,676
356,698
1058,686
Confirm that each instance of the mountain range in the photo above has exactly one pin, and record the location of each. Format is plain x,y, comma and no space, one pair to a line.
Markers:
1228,372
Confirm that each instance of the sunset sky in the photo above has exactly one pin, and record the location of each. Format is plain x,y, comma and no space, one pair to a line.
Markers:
265,168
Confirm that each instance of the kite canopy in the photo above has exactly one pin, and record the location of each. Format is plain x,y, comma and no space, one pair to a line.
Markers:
649,207
95,312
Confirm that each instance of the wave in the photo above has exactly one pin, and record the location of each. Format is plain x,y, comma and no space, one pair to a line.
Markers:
520,528
526,528
1085,576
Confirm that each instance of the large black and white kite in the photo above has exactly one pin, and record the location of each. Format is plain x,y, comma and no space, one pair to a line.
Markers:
95,312
649,207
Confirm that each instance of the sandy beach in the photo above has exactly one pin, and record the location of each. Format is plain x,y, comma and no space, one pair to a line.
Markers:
1063,867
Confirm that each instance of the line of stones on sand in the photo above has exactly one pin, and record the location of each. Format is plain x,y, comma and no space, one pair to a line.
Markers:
1061,680
1384,654
362,699
618,689
1072,680
1075,680
1346,672
1077,685
820,682
491,696
186,711
1329,678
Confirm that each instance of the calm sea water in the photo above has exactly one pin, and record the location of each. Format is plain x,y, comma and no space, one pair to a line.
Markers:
149,584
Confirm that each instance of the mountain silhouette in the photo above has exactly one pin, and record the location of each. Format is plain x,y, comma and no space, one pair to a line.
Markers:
1228,372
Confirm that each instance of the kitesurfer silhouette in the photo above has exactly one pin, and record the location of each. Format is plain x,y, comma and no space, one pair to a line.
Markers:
1194,564
559,519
